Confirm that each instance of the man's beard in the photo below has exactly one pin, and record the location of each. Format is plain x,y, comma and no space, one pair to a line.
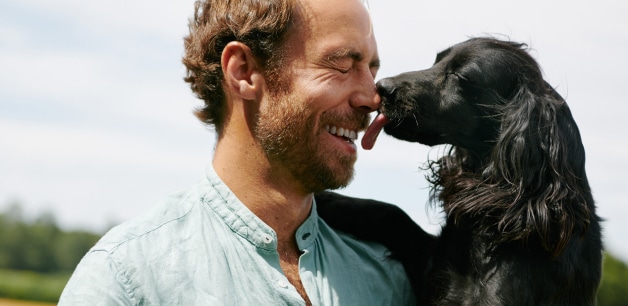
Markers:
285,131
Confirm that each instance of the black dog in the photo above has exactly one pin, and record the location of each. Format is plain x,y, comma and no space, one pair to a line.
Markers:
521,227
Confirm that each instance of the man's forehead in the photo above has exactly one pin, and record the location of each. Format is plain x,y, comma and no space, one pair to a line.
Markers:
319,17
334,29
331,9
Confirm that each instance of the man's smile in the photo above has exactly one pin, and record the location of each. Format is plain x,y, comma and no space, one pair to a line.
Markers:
348,134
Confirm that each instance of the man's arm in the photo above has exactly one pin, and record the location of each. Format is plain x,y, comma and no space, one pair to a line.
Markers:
96,281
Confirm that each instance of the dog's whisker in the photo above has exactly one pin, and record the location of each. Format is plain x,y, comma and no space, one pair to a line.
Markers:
416,120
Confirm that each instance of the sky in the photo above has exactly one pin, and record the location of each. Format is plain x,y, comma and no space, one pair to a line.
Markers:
96,121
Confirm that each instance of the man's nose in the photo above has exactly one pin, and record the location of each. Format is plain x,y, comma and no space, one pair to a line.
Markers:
366,99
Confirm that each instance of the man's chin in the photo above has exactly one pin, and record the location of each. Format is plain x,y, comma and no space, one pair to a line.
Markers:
331,180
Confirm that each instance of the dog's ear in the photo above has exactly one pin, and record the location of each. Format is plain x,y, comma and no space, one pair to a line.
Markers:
540,157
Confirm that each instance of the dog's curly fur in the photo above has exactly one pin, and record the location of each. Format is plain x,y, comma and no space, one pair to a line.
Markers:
521,226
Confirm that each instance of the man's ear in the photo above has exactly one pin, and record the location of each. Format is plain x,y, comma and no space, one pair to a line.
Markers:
240,70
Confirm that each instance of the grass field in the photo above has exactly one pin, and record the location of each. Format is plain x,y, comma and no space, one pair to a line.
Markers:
31,286
5,302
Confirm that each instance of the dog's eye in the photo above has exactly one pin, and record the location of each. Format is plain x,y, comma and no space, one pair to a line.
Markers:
449,74
463,79
460,76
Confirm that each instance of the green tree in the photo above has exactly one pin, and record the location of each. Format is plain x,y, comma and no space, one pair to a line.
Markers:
40,245
614,286
13,235
71,247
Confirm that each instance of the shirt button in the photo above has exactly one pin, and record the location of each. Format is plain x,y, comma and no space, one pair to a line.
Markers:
283,284
268,238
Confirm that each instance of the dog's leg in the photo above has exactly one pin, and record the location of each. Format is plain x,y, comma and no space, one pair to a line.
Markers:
383,223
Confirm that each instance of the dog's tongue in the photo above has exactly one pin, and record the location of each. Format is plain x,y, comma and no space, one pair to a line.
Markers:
370,136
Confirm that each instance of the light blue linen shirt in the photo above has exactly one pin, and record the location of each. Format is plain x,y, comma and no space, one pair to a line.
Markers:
203,246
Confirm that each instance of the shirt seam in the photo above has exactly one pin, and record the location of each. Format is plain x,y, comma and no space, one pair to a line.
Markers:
123,277
117,245
218,194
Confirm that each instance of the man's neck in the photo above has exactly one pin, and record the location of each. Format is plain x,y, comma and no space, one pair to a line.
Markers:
267,190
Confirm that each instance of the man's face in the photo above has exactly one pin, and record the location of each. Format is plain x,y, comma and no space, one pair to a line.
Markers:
329,71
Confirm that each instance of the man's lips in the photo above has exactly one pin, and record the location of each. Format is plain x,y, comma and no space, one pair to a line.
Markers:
370,136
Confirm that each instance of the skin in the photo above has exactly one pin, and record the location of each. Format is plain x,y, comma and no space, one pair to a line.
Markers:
331,67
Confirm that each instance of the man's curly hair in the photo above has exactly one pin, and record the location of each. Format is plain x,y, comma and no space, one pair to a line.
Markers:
260,24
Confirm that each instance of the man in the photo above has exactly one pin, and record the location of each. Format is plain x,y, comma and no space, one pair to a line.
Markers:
287,84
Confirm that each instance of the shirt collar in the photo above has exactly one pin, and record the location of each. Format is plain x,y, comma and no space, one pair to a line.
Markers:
217,195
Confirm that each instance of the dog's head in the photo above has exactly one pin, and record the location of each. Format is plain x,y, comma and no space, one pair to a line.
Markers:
517,153
456,100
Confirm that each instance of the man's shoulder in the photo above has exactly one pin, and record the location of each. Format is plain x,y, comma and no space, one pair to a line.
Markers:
157,223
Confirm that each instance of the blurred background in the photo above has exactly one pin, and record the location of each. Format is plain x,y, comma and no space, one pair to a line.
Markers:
96,122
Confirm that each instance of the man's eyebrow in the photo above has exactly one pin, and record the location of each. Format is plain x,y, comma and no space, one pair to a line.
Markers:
342,53
351,53
375,63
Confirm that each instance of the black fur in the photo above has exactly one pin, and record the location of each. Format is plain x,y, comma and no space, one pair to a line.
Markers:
521,227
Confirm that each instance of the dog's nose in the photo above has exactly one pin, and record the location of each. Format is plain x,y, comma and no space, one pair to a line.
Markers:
385,87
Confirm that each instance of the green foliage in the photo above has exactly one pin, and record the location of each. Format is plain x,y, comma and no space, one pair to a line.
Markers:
36,256
614,287
40,245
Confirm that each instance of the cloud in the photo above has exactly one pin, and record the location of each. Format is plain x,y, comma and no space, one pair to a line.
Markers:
164,19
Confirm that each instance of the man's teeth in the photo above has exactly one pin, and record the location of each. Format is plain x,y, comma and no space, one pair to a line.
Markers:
342,132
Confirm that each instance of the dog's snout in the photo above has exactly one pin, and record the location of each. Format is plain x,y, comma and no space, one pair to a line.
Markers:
385,87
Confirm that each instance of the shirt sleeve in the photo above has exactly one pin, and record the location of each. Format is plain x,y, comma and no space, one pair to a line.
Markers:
96,281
